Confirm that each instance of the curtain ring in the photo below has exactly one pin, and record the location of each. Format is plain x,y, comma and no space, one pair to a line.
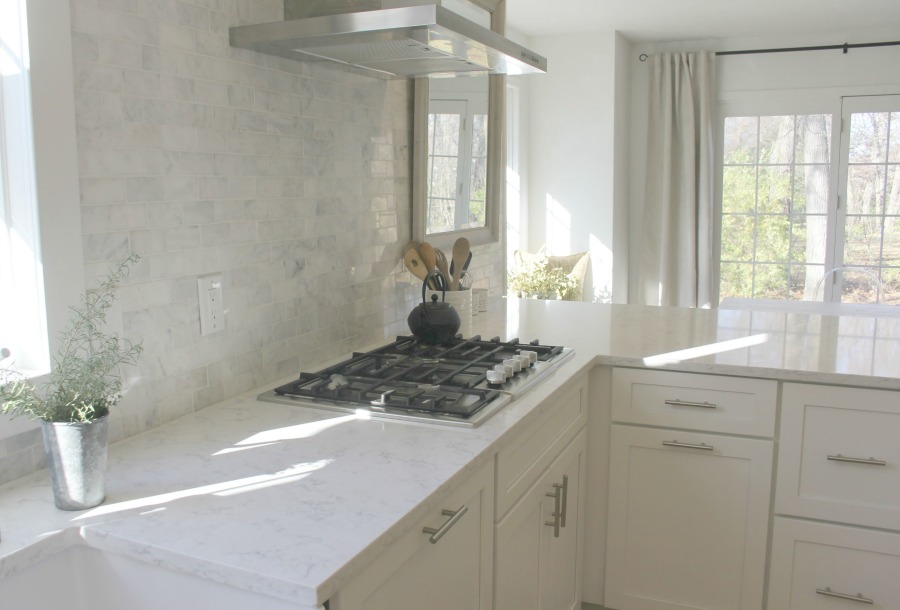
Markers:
643,56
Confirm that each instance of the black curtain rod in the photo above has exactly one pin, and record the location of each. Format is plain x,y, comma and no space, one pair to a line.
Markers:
828,47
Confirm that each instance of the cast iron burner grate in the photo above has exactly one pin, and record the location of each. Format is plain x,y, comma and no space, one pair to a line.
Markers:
406,377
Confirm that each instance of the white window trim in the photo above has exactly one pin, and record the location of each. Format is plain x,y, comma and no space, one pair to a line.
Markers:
56,169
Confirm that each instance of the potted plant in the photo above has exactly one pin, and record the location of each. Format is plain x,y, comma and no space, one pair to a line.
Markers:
72,402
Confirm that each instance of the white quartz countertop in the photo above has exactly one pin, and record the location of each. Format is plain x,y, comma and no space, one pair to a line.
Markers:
292,502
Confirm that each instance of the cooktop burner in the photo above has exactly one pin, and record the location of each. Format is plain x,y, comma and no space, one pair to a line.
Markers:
461,383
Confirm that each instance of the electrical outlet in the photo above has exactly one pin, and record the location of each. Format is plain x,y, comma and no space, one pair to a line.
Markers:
212,311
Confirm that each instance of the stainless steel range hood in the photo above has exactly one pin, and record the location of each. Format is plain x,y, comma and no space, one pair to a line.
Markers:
405,42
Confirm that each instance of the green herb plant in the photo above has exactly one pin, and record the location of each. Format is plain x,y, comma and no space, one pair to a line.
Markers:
538,280
85,380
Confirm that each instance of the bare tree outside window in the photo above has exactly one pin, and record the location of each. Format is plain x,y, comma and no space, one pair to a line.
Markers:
779,214
774,205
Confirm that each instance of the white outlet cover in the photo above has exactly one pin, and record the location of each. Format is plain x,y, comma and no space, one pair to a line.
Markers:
212,309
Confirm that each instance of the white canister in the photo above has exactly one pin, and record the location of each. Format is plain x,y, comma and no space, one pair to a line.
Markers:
461,301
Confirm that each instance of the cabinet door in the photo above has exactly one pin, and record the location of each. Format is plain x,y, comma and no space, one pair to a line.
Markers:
822,566
452,573
688,520
537,563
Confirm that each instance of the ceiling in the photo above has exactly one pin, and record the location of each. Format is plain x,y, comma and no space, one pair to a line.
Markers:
661,20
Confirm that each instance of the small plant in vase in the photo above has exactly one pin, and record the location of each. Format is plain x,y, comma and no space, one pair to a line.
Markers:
72,402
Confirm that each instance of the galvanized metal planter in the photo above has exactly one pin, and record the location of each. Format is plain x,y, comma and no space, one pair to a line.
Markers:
76,457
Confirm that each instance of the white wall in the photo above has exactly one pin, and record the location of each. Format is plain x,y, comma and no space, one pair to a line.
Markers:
571,151
621,186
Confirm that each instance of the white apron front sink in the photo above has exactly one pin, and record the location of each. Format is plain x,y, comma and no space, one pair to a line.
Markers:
84,578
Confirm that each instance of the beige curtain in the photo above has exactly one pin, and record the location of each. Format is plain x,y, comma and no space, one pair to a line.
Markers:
676,266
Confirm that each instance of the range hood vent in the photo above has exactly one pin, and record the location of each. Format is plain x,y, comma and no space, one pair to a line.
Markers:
406,42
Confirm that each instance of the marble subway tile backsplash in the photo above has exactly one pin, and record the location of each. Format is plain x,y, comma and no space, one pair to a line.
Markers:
290,179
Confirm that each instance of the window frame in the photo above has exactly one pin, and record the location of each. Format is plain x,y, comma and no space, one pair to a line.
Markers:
839,103
856,104
769,104
57,189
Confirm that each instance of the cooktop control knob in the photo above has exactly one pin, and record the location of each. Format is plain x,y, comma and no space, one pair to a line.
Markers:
495,377
515,364
524,360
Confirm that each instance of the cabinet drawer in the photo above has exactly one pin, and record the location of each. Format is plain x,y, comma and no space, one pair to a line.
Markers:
712,403
840,455
520,464
813,564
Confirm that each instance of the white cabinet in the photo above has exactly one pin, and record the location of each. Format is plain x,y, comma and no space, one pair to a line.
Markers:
822,566
538,541
447,567
713,403
840,455
688,511
520,463
839,462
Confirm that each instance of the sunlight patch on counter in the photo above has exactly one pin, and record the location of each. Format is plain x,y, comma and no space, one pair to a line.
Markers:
705,350
290,433
225,488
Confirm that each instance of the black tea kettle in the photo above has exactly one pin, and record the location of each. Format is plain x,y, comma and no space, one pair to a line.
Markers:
437,321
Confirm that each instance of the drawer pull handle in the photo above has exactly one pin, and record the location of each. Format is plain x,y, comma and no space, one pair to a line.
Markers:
437,534
565,500
702,446
853,460
853,598
558,514
687,403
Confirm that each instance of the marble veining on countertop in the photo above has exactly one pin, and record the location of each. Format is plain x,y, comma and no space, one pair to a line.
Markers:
291,502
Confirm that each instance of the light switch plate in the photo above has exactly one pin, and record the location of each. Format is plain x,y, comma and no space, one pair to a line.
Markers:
212,311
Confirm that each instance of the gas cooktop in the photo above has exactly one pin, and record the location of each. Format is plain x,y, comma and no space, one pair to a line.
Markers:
460,383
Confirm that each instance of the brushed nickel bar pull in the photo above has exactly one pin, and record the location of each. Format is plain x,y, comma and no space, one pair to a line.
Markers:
687,403
565,500
853,460
437,534
853,598
557,510
702,446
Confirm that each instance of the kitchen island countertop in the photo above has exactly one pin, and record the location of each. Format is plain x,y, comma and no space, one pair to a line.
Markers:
292,502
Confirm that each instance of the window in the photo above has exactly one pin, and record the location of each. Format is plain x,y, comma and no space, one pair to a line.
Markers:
22,321
800,222
457,166
869,217
36,70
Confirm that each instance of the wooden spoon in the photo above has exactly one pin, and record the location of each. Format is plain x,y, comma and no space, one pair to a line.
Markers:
441,263
415,264
428,256
412,245
460,254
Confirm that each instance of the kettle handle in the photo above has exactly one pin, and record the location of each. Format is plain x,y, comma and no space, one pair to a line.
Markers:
439,282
